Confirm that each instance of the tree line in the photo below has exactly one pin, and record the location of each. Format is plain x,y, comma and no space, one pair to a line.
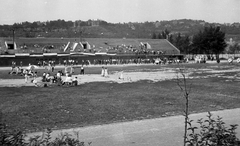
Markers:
210,40
101,28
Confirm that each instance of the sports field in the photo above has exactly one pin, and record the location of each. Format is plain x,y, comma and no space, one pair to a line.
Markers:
147,91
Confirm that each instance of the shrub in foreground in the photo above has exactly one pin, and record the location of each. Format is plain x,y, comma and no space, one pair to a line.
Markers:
17,138
212,132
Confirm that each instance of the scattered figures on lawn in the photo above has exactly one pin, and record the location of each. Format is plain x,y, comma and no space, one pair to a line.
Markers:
32,67
157,61
82,70
13,65
69,70
48,78
186,60
121,76
34,75
230,60
64,62
72,70
59,78
106,72
39,63
48,67
14,70
75,81
70,81
102,72
44,76
238,60
26,77
88,62
52,68
200,59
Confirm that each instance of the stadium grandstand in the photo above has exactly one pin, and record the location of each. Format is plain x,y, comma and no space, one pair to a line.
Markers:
35,49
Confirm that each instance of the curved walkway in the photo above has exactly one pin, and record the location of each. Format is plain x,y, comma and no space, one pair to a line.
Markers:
166,131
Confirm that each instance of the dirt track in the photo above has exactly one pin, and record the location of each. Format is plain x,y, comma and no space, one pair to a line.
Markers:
153,76
127,77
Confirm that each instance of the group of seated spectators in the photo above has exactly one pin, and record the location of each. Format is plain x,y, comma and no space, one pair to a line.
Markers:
57,79
23,72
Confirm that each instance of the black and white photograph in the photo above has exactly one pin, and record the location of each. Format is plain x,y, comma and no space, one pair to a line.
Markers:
119,72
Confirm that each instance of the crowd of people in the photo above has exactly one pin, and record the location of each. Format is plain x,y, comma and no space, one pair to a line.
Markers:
61,78
57,79
30,75
66,77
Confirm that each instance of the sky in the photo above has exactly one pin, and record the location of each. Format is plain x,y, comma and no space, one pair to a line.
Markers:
115,11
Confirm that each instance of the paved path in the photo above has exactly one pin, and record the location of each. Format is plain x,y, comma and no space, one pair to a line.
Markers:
166,131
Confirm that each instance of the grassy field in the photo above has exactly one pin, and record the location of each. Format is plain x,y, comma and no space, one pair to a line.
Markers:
34,109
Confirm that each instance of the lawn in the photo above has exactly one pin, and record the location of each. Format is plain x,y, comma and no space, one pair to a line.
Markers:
34,109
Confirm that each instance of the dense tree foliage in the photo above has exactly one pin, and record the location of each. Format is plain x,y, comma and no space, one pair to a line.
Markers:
209,41
154,36
103,29
182,43
233,48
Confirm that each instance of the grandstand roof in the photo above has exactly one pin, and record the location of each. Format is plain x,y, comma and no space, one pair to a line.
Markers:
91,45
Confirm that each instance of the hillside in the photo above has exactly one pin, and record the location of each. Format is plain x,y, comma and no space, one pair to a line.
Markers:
102,29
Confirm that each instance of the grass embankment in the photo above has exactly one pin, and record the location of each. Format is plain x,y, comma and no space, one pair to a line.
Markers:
34,109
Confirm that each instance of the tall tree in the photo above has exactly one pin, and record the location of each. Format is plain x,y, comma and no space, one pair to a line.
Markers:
164,35
154,36
170,38
186,44
233,49
159,36
178,41
210,41
182,43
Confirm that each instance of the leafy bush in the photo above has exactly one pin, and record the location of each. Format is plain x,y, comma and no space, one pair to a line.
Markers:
212,132
45,140
17,138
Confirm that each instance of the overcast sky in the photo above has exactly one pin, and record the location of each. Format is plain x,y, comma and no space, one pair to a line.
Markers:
220,11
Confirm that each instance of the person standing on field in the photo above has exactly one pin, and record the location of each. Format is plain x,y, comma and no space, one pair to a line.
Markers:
105,72
82,70
102,73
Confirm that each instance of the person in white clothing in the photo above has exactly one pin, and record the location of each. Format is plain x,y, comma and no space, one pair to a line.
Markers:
58,74
48,78
82,70
26,78
75,81
102,73
68,80
106,72
121,76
